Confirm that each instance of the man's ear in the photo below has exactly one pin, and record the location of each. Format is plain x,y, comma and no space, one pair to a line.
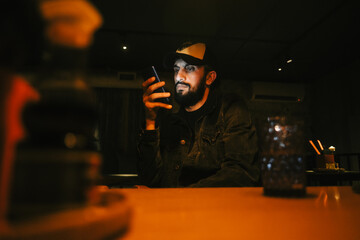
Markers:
210,77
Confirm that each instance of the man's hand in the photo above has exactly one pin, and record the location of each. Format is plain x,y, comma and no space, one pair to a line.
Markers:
151,106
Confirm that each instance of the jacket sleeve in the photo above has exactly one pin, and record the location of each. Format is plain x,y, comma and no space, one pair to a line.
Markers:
149,159
239,165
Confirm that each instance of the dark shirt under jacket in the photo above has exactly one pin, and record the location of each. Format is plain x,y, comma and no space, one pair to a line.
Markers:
219,150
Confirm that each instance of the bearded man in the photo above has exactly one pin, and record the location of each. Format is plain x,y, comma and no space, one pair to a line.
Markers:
210,142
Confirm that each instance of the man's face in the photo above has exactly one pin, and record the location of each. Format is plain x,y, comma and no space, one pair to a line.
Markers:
189,83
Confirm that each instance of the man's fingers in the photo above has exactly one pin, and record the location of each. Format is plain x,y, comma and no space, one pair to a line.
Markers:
152,105
147,82
149,97
155,86
149,101
164,105
155,96
148,88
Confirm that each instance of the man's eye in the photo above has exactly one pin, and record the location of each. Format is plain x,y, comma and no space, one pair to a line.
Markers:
176,69
190,68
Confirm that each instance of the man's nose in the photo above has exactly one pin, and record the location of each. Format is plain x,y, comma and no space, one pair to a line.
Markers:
180,76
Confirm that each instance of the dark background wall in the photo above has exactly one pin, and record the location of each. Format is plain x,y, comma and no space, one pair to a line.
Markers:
120,119
335,108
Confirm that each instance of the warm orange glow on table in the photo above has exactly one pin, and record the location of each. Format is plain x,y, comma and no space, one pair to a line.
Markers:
243,213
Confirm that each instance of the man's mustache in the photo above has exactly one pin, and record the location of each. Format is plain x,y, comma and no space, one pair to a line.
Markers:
182,83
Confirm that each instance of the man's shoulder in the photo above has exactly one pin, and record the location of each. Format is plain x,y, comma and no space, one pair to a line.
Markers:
234,109
233,101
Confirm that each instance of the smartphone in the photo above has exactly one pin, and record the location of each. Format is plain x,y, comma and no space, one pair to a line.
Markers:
151,72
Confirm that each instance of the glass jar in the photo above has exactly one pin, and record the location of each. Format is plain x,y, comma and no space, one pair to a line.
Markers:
282,158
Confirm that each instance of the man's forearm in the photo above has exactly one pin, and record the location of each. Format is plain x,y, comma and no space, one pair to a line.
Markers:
232,174
150,124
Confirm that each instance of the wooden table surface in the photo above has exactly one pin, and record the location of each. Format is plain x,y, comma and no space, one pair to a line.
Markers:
242,213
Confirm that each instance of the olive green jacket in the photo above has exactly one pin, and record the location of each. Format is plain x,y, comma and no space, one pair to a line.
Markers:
223,152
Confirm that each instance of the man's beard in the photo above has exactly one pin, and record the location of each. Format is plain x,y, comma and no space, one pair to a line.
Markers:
192,97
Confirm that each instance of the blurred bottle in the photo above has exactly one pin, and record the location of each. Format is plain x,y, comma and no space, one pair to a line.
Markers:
57,164
282,159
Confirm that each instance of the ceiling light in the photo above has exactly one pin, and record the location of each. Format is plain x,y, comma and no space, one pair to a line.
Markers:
124,47
279,69
289,61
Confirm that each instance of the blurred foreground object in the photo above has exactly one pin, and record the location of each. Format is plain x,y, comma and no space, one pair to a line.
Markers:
56,165
106,218
16,93
17,50
70,22
283,169
54,192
